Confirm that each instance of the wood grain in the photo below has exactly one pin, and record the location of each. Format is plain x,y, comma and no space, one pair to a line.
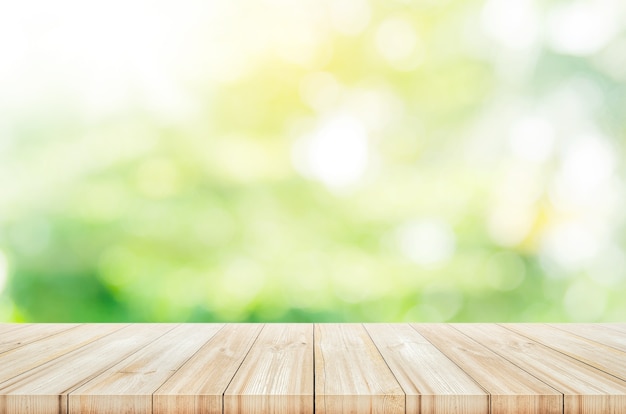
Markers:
432,383
511,388
128,386
277,374
596,333
351,376
620,327
586,389
307,368
44,389
25,358
6,327
590,352
22,335
198,386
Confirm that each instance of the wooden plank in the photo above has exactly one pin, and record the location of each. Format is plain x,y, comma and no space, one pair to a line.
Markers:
30,356
128,386
350,374
198,386
25,334
432,382
621,327
586,389
512,389
594,332
43,390
275,368
277,374
603,357
6,327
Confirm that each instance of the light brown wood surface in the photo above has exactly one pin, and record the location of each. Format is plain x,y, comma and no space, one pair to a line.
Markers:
351,374
312,368
277,374
22,335
129,385
46,387
621,327
432,382
198,386
593,332
584,388
512,389
25,358
594,353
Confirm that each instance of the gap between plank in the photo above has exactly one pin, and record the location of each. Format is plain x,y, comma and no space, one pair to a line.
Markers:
315,325
506,359
90,378
561,352
460,368
390,370
43,337
239,367
60,356
556,326
181,365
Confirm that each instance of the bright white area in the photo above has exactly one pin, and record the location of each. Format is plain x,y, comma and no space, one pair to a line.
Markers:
427,242
513,24
336,153
583,27
532,139
398,43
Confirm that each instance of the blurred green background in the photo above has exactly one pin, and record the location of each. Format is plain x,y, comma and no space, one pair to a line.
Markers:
340,160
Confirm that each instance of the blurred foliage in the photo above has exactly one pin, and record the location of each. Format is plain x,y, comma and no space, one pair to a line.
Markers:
340,160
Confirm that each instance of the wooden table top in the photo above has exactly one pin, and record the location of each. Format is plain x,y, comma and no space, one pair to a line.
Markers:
307,368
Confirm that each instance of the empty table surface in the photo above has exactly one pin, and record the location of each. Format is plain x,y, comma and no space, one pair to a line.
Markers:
312,368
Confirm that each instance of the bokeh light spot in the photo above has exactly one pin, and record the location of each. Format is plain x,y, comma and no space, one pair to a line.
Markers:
342,160
532,139
582,27
336,154
427,242
513,24
397,42
585,301
350,17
